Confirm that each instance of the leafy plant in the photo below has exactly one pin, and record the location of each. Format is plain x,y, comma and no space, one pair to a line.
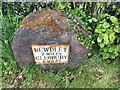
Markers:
102,31
107,32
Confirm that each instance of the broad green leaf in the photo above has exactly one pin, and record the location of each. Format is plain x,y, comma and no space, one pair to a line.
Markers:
101,45
117,29
106,38
119,10
115,49
92,42
114,7
113,19
89,54
105,55
94,19
106,25
83,14
106,49
89,27
98,31
113,56
90,20
116,54
103,30
111,49
99,26
5,63
112,37
118,48
99,39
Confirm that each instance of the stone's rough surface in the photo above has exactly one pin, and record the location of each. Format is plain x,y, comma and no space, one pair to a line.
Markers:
46,27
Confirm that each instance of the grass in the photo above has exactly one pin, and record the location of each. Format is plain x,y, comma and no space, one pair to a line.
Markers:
94,73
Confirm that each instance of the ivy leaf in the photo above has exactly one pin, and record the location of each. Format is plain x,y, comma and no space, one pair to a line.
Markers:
112,37
90,20
106,38
94,19
113,19
106,25
99,39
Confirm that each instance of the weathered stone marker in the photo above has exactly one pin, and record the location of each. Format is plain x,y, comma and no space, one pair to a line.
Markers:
44,37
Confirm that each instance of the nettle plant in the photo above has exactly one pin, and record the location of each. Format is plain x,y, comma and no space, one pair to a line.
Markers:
108,36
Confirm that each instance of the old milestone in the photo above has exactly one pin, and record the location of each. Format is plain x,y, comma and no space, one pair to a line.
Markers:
44,38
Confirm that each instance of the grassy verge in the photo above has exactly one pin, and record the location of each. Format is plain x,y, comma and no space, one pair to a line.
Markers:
94,73
91,74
